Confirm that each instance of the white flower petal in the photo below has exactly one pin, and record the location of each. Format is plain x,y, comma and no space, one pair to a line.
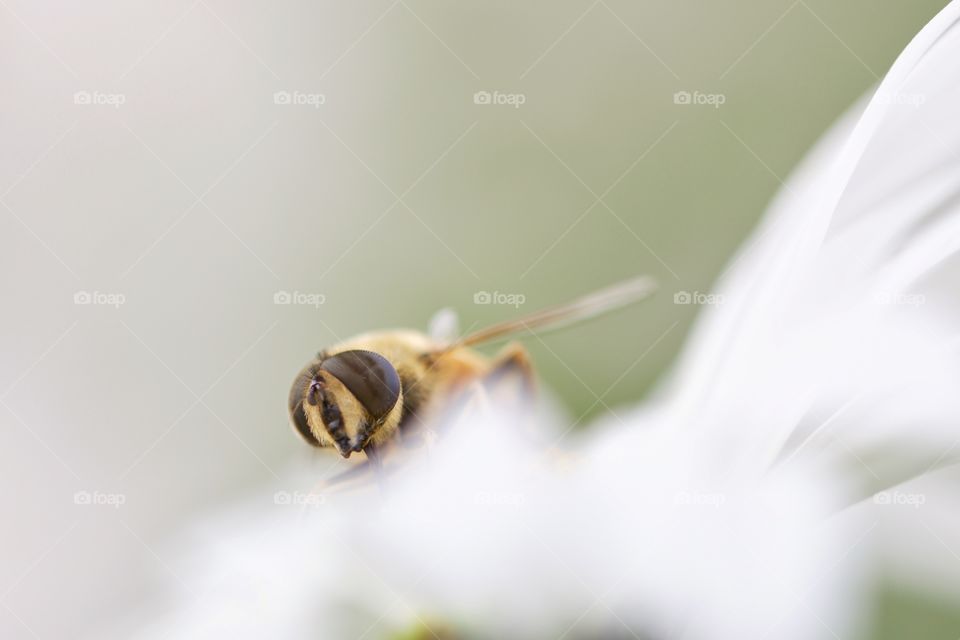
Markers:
643,537
839,323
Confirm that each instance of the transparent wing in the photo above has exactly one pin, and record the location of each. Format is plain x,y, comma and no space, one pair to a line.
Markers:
583,308
444,326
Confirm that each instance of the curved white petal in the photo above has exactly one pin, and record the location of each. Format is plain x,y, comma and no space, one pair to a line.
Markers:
837,332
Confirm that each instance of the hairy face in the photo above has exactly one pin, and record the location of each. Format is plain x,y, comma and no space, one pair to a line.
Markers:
342,400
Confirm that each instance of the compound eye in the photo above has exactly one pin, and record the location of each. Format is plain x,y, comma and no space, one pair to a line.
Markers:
297,415
370,377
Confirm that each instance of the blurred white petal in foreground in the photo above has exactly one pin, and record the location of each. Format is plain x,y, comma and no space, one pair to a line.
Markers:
720,511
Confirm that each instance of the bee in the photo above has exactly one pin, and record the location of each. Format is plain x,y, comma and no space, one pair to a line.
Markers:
374,390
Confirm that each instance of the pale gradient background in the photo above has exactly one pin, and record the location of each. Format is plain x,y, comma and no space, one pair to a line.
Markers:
199,198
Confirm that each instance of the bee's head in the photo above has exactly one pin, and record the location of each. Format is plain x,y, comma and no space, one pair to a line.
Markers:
345,400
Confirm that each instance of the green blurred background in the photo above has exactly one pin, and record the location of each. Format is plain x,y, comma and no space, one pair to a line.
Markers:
513,206
201,197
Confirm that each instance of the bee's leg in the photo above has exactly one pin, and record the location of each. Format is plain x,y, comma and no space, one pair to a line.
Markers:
511,377
513,361
509,387
506,387
356,477
375,462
